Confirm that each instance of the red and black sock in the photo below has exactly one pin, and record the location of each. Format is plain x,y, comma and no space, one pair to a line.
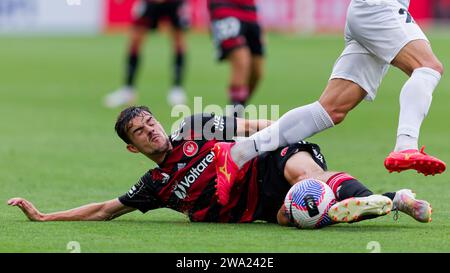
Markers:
238,94
345,186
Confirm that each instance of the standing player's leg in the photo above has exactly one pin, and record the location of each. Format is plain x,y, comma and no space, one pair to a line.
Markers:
255,42
136,41
340,96
232,45
348,86
388,31
256,73
143,18
417,60
177,94
240,60
127,93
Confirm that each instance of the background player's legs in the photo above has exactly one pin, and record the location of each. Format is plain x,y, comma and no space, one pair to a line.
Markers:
240,60
177,94
417,60
255,42
179,51
137,38
126,94
256,73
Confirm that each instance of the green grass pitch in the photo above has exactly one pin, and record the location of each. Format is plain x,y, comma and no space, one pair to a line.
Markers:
59,150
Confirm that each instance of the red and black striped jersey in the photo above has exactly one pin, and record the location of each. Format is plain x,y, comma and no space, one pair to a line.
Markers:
185,180
244,10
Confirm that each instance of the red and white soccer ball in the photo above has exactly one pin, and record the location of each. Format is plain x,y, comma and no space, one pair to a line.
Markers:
307,204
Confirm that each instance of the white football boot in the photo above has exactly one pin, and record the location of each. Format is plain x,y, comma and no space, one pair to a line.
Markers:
406,202
176,96
123,96
352,209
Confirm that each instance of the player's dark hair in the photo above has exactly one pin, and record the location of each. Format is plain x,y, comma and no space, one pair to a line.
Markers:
123,120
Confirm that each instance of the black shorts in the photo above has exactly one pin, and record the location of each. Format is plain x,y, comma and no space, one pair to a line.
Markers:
149,14
273,186
231,33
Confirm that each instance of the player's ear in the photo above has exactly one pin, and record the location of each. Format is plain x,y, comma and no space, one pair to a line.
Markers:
132,148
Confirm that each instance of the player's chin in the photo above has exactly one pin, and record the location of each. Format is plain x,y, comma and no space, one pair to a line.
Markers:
158,149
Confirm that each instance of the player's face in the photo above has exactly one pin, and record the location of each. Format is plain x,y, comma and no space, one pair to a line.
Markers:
147,135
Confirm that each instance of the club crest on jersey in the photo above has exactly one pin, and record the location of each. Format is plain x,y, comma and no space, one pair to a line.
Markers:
190,148
284,151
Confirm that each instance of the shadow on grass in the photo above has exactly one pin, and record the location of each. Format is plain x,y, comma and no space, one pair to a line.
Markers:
372,228
170,223
262,225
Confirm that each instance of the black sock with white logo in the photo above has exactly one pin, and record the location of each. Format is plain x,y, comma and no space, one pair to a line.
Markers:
352,188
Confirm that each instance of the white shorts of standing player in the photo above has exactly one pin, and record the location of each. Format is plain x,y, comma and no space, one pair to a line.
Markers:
375,32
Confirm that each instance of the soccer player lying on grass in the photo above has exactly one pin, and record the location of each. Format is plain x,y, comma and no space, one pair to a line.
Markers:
185,179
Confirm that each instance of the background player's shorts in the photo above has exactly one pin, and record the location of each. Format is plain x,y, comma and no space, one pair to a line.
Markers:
231,33
149,14
375,32
273,186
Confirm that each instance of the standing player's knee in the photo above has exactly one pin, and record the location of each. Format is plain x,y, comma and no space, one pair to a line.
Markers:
337,111
258,68
257,74
337,115
438,66
435,65
179,44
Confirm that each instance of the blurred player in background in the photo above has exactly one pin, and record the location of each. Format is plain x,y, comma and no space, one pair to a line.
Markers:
238,38
146,16
377,34
185,178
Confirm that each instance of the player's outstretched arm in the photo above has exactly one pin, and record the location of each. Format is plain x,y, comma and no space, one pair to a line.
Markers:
247,127
92,212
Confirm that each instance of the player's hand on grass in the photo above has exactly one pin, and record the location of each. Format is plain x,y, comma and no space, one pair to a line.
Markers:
27,207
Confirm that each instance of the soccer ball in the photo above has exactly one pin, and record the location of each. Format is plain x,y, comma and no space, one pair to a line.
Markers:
307,204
